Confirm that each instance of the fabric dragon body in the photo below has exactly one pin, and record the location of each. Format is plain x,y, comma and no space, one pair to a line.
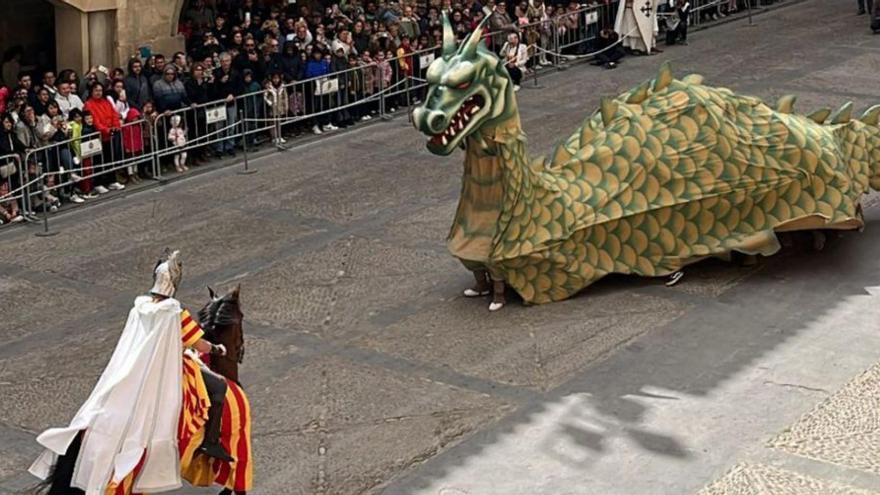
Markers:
664,175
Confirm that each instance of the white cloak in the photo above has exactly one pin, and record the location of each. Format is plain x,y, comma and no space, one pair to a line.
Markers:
135,407
637,29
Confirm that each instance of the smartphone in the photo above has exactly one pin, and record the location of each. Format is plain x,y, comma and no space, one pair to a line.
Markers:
247,17
103,69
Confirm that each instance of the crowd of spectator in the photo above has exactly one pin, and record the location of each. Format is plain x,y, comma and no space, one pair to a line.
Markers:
247,53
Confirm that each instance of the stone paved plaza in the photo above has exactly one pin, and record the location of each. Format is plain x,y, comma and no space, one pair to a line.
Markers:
368,373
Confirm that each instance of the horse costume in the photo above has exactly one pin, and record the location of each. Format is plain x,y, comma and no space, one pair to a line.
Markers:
157,415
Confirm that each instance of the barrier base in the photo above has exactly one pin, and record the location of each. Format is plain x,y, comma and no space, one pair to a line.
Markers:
248,171
46,234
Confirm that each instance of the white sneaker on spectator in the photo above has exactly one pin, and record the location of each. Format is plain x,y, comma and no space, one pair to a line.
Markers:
101,190
116,186
76,198
516,87
89,196
366,117
328,128
16,219
281,140
316,129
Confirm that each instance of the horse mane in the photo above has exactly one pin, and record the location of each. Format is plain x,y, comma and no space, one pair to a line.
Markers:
218,314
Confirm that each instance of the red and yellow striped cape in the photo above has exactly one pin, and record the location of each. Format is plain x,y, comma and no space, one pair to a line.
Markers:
235,434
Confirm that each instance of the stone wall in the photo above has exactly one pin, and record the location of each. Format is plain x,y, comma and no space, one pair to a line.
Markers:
109,32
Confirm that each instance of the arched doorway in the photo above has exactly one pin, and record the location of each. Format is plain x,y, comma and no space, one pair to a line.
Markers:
32,28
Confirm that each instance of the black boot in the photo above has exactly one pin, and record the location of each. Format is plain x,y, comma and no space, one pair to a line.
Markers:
211,445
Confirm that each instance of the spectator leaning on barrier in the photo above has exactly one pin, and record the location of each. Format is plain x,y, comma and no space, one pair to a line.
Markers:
108,123
83,167
198,92
228,84
169,94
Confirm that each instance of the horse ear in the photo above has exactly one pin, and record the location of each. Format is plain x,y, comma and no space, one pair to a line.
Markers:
211,292
236,291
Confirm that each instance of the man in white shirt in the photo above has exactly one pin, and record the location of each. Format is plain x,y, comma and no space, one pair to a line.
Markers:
67,100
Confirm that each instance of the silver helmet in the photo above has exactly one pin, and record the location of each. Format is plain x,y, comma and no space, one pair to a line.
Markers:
167,274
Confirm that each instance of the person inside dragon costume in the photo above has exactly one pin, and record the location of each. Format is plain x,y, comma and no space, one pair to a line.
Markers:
666,174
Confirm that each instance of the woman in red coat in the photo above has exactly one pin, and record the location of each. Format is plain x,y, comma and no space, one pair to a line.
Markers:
107,122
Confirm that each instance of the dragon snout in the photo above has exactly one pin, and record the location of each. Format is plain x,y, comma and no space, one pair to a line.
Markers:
429,121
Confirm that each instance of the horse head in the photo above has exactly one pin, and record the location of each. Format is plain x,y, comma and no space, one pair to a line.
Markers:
221,319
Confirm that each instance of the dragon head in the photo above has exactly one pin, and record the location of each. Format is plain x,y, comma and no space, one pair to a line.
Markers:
468,88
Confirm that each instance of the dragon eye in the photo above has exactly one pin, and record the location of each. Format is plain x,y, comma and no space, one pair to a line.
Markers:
464,85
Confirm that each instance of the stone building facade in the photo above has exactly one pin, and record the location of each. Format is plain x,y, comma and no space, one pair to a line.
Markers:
109,32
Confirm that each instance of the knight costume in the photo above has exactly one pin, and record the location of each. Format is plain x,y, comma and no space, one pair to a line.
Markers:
131,419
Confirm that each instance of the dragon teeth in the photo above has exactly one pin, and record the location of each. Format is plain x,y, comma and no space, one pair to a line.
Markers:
475,109
444,140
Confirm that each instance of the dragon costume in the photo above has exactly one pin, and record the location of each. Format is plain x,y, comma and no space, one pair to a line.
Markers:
661,176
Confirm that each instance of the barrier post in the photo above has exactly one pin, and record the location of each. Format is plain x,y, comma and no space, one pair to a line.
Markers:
557,53
244,147
157,166
382,114
45,232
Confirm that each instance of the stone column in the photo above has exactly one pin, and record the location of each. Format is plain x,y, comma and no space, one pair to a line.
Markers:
102,38
71,38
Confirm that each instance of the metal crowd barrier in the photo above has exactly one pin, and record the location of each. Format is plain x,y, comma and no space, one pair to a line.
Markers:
78,165
12,187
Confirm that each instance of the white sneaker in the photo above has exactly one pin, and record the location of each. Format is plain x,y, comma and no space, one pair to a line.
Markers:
366,117
316,129
475,293
116,186
282,140
16,219
516,87
89,196
76,199
327,128
494,306
101,190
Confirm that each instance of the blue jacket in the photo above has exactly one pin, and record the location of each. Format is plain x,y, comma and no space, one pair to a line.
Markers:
316,68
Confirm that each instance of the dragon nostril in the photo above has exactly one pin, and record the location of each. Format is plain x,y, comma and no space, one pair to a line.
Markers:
435,121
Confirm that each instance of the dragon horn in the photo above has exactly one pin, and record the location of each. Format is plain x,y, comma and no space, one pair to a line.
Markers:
449,45
664,77
640,93
820,116
608,108
871,115
469,47
786,103
693,79
843,114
